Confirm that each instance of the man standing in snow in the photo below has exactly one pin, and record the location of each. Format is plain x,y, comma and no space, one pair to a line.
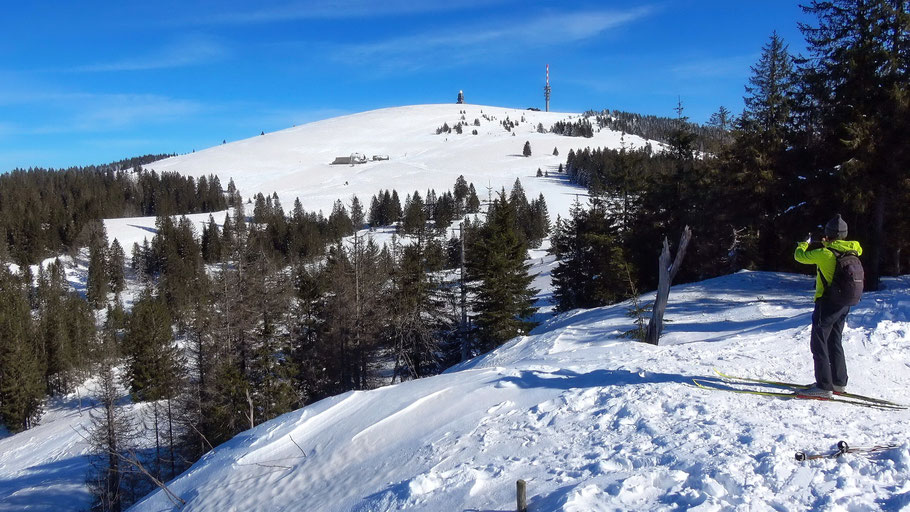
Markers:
829,316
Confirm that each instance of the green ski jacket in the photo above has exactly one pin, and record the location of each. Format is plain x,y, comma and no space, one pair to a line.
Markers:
824,259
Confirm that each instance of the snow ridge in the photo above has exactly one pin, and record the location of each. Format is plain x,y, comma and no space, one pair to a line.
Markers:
596,422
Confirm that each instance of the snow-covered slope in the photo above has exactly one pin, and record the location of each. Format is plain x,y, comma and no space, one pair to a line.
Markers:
296,162
593,421
45,467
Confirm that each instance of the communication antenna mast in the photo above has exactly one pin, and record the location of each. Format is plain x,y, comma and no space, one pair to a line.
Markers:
546,89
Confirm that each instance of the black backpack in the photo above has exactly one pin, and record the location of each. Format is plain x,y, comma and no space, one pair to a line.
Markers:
846,286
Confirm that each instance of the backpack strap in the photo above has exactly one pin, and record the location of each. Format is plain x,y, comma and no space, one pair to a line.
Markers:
837,255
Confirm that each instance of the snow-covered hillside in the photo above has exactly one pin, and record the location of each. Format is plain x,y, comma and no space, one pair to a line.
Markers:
296,162
591,420
596,422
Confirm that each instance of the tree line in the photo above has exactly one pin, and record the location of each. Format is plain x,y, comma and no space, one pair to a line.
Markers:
46,211
820,134
262,314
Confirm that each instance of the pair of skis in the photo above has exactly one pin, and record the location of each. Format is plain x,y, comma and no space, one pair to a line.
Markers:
792,390
842,449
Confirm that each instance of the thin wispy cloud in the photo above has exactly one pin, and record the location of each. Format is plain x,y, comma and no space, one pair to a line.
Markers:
288,117
733,66
8,129
462,44
182,53
79,112
118,110
336,9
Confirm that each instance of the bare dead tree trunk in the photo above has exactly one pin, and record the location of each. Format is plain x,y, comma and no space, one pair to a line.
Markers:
463,327
157,467
876,254
133,460
667,273
170,431
249,400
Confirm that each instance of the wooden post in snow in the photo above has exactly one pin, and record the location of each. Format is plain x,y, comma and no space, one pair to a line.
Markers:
667,273
522,492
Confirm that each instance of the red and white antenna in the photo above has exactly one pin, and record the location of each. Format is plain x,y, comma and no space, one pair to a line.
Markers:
546,89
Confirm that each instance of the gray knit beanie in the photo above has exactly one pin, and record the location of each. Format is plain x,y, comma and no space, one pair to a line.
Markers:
836,228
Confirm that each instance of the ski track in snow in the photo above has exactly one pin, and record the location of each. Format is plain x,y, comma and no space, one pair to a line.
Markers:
591,420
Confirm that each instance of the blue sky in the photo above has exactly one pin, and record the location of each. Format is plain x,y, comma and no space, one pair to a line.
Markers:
92,82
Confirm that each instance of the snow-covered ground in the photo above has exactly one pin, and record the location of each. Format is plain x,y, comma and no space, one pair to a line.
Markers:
45,467
593,421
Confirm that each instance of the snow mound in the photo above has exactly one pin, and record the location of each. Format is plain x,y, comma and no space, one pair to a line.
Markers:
593,421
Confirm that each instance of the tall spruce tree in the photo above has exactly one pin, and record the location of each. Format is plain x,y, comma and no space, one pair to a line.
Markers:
592,269
65,328
503,297
762,185
155,373
354,314
97,283
358,218
211,242
21,375
417,312
460,193
856,85
270,369
309,313
115,267
414,220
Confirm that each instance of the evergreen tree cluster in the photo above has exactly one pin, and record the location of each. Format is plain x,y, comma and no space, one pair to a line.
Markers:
385,209
593,270
45,211
606,170
230,331
820,134
46,335
580,128
105,267
301,235
662,128
435,212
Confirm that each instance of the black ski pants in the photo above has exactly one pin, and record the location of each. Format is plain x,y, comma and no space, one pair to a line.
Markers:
827,350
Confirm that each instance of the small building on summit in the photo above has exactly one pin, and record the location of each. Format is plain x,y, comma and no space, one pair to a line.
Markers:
354,158
460,97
